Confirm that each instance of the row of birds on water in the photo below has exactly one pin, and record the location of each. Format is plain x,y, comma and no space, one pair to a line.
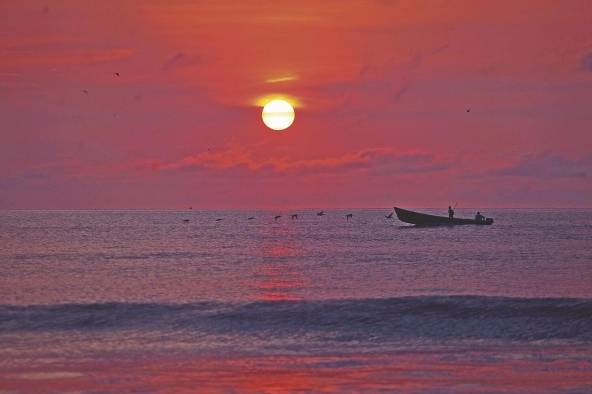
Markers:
296,216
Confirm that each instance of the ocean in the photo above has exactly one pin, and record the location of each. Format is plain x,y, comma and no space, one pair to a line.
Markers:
178,301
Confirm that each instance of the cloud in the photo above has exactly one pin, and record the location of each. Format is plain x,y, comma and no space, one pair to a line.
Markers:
587,62
547,165
62,56
389,82
32,177
283,78
400,92
179,60
378,161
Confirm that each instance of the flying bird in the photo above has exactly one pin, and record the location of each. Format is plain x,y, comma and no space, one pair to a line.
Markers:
116,74
277,217
322,213
186,220
349,216
468,110
218,219
84,91
251,218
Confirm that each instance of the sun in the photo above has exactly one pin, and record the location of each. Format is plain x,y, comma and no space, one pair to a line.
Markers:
278,115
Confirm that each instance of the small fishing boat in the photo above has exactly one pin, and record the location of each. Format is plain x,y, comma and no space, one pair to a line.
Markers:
423,219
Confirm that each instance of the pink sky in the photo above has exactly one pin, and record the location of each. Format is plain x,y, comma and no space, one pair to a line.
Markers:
381,89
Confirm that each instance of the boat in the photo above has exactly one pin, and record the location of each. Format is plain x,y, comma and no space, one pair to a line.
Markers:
423,219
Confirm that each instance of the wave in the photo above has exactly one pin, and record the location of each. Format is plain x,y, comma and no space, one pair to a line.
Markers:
439,317
106,256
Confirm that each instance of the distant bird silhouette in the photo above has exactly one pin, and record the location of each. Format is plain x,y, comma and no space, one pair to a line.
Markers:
190,207
389,216
251,218
277,217
186,220
218,219
322,213
349,216
116,74
468,110
295,216
84,91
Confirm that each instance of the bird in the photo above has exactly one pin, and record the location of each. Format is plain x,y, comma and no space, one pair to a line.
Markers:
218,219
251,218
186,220
295,216
116,74
277,217
84,91
322,213
389,216
349,216
190,207
468,110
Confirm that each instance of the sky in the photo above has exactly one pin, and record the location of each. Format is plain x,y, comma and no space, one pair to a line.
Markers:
407,103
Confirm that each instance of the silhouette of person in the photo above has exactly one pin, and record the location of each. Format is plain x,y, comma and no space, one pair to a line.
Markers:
450,213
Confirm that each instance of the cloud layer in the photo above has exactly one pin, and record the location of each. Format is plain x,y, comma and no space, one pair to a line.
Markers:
548,165
382,161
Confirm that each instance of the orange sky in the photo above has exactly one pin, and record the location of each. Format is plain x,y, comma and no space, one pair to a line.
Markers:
382,91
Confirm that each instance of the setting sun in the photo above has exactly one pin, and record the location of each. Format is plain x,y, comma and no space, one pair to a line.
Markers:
278,114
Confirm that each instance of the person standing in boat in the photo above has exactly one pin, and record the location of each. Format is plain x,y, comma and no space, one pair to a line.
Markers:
479,217
450,213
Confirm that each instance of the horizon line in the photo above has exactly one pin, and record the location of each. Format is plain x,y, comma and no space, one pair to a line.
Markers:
269,209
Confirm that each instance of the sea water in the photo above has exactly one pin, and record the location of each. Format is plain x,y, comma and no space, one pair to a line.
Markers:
178,301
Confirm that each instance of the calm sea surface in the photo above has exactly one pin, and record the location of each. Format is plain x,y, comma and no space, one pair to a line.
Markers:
142,301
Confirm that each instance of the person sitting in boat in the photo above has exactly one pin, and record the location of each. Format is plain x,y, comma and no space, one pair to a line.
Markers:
479,217
450,213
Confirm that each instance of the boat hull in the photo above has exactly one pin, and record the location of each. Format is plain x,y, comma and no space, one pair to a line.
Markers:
423,219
